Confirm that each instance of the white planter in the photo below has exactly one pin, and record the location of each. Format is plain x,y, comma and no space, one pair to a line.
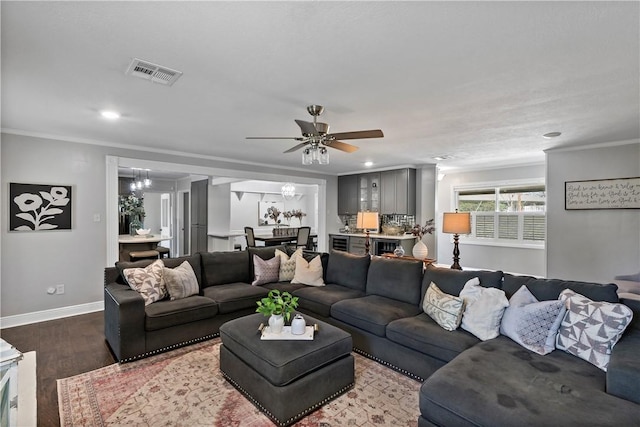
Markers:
420,250
276,323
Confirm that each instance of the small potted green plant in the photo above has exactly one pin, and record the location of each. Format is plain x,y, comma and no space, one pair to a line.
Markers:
279,307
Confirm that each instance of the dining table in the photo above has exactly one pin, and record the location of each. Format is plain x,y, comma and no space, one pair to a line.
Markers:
271,240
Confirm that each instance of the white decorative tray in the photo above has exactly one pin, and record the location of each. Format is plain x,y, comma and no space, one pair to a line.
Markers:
286,334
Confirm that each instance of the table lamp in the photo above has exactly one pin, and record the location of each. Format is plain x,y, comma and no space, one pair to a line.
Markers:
456,223
366,221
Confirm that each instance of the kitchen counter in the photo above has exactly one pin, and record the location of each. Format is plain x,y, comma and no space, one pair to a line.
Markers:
377,236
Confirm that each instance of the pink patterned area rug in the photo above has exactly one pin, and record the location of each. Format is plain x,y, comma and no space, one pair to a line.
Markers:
184,387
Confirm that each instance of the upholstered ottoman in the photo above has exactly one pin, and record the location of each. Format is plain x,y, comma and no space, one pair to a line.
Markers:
286,379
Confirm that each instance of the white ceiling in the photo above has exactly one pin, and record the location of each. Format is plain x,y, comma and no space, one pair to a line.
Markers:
477,81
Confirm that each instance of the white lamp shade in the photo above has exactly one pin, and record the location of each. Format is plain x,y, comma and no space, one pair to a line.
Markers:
456,223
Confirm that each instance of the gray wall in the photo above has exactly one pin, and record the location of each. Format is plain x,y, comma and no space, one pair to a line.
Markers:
33,261
592,245
505,258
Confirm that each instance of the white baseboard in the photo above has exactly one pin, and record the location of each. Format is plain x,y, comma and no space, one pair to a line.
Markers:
54,313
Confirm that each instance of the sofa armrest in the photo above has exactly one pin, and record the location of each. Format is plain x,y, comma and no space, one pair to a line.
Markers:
124,317
623,372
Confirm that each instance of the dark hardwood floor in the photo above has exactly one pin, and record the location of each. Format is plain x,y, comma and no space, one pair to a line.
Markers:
64,347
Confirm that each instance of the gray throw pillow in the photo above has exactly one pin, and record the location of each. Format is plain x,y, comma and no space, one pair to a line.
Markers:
265,271
181,282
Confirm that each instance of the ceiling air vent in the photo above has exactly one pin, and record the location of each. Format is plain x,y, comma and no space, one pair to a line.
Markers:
154,72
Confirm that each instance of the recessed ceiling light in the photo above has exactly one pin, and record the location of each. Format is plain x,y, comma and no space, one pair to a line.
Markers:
551,135
368,164
111,115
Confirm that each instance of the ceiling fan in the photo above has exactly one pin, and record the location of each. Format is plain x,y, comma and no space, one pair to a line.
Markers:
315,135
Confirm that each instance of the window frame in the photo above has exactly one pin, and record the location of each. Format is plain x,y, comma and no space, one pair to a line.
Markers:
519,241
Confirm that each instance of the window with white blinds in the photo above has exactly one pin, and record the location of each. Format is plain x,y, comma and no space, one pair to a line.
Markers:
505,214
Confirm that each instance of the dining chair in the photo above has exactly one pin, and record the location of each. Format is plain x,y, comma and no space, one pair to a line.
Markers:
251,240
303,237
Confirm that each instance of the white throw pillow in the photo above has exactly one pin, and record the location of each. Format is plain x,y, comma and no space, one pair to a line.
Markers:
531,323
287,264
308,273
483,311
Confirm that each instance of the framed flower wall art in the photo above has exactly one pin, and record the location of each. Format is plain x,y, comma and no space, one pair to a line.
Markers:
37,207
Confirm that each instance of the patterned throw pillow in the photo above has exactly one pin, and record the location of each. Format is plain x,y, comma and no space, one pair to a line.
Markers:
531,323
147,281
483,311
445,309
181,282
287,264
266,271
308,273
590,329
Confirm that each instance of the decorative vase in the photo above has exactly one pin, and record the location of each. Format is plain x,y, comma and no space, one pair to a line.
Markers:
298,325
134,224
398,251
276,323
420,250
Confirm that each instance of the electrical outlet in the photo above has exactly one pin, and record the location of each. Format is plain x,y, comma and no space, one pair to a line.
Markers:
60,289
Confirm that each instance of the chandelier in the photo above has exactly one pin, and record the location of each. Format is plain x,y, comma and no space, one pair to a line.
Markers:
137,182
315,154
288,191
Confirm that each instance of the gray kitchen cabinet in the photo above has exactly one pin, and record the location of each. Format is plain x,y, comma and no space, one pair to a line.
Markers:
357,245
348,195
369,191
199,218
398,192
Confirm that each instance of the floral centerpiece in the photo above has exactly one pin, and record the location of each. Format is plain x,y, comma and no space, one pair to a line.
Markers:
132,206
273,213
287,215
419,231
297,213
420,250
279,307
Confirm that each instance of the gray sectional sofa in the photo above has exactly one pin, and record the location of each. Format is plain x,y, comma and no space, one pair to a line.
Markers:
467,382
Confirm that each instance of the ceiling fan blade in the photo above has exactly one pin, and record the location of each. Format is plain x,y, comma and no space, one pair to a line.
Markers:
297,147
307,128
361,134
297,138
342,146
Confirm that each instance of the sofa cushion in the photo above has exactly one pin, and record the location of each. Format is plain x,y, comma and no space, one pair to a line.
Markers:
423,334
194,260
147,281
181,282
284,286
531,323
308,272
167,313
287,264
483,310
348,270
498,382
264,252
445,309
590,329
235,296
394,278
265,271
546,289
372,313
320,300
452,281
221,268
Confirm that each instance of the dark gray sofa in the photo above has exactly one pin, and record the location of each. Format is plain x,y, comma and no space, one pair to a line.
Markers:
379,301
